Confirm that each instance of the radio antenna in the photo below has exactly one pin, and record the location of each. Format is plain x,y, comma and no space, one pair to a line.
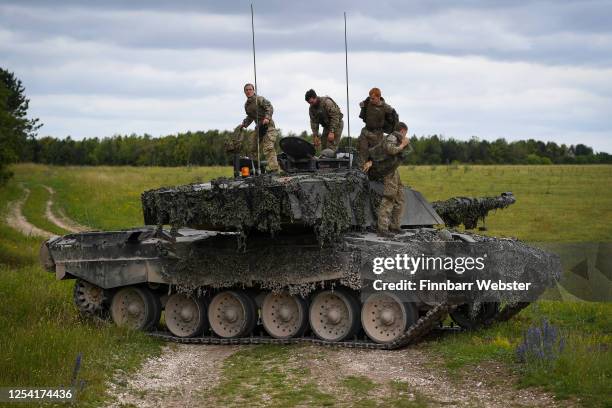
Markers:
256,94
348,109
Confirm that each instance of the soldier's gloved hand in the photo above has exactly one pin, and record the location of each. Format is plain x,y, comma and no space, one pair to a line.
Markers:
367,165
331,136
316,140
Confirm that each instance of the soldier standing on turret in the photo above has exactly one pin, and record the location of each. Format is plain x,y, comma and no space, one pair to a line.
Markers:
385,158
379,118
260,110
325,112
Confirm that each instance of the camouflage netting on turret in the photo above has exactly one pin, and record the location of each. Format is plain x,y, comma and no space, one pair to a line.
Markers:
468,210
329,203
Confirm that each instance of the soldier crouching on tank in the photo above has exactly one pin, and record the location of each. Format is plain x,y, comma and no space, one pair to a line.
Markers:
379,118
385,159
325,112
260,110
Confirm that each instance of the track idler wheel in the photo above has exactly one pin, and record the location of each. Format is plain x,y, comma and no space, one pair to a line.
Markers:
334,315
186,316
385,317
472,316
232,314
90,299
284,315
136,307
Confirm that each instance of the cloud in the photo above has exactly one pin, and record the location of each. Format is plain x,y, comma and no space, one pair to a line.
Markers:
521,70
544,32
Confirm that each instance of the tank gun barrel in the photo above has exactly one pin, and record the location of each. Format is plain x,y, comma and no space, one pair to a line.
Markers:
468,210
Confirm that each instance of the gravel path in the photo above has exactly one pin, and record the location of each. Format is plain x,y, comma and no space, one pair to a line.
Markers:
174,379
180,375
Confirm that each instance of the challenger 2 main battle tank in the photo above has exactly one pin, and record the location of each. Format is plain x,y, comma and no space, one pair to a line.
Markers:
293,257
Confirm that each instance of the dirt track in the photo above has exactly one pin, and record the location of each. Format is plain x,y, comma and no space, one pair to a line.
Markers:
179,377
173,379
61,220
16,220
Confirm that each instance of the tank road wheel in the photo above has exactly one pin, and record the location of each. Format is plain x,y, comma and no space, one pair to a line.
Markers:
469,319
334,315
186,316
89,299
231,314
135,307
284,315
385,317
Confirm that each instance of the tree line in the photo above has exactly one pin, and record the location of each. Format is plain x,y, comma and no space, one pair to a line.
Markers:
206,148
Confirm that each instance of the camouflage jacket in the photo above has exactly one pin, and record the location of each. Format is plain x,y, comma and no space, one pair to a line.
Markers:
378,117
326,113
260,110
386,156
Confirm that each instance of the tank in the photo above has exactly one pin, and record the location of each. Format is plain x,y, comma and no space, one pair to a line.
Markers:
293,257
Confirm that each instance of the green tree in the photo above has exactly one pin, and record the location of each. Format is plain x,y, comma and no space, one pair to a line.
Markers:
15,127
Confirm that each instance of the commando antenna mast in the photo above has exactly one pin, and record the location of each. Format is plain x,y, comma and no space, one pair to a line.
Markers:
256,106
348,109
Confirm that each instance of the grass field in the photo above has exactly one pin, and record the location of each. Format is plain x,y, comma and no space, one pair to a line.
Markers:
41,334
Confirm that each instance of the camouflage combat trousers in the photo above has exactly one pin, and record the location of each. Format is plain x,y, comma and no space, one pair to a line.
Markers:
366,140
267,146
325,144
392,203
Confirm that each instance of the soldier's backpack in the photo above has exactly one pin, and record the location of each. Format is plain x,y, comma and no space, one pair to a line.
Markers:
391,118
391,121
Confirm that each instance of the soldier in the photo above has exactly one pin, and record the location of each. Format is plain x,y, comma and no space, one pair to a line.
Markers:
379,118
260,110
325,112
385,159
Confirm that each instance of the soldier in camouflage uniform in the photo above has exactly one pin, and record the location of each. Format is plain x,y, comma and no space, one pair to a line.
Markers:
385,158
260,110
379,118
325,112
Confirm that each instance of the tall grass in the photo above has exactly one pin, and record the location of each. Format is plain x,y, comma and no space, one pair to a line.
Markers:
41,333
554,203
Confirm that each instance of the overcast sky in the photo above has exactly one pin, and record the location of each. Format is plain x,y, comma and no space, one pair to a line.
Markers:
491,69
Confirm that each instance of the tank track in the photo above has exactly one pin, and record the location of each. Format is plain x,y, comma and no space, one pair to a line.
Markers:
417,331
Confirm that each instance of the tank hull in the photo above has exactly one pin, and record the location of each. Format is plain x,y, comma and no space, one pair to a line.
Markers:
196,259
132,275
